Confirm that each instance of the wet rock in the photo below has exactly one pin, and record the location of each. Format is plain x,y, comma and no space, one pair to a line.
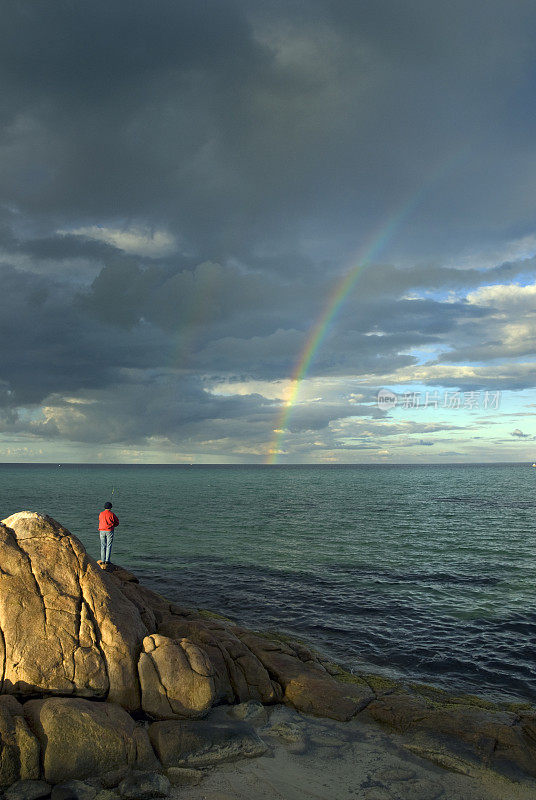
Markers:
290,732
81,739
399,710
28,790
445,759
292,735
325,697
202,744
327,739
73,790
143,785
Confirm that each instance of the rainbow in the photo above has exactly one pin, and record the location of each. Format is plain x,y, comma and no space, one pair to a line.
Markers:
342,289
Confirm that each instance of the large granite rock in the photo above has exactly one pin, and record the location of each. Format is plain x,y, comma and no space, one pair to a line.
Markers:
66,627
238,673
176,678
83,738
19,749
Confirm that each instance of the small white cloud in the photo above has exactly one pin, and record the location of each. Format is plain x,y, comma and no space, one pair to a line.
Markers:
135,240
505,296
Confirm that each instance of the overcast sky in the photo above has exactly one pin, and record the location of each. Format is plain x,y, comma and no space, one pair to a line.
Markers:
184,187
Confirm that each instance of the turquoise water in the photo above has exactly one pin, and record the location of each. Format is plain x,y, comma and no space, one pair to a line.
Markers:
420,571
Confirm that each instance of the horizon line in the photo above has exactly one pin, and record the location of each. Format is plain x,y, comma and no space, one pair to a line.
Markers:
249,464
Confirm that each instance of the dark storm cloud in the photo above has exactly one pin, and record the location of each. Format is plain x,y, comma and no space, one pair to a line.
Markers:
224,318
48,346
139,410
264,127
213,321
265,143
254,324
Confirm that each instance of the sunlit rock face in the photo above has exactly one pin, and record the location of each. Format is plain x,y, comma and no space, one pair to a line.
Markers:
176,678
66,626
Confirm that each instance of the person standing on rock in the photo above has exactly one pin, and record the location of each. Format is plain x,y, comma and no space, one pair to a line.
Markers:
108,522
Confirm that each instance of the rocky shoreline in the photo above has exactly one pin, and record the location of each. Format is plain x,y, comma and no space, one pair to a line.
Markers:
110,690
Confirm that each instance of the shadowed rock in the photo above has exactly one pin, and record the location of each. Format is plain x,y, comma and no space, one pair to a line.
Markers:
144,786
19,749
28,790
81,738
203,743
501,739
73,790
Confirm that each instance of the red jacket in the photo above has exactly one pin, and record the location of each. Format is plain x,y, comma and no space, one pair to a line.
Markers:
107,520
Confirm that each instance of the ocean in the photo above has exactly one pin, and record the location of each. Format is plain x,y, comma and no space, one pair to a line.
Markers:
421,572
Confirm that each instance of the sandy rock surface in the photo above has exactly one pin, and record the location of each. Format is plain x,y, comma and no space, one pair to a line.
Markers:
499,738
347,761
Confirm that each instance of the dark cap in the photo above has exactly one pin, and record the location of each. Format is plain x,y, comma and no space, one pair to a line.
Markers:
108,505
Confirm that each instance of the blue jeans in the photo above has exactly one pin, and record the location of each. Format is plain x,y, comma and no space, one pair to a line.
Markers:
106,541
